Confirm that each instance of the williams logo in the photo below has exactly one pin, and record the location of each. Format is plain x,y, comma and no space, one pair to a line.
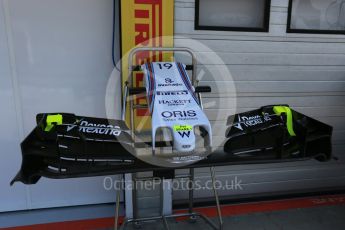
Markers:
184,134
86,127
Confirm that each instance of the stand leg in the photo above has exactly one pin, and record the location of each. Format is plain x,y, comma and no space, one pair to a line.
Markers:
165,222
124,225
219,212
117,207
209,222
191,191
134,196
162,204
134,200
191,214
192,218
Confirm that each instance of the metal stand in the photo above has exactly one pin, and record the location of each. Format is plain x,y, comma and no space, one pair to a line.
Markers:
129,90
191,214
117,207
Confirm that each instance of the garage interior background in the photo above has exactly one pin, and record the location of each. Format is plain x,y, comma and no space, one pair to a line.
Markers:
57,56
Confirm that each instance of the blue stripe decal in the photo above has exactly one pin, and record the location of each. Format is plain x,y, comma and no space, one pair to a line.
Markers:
186,80
154,88
150,92
148,78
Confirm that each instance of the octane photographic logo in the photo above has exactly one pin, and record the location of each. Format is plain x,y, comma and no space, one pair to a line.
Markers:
177,103
231,184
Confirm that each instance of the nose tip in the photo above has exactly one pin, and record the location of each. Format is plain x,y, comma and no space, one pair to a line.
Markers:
184,141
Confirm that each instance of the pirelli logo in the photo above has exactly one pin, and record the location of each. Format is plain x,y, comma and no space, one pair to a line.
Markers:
145,23
148,25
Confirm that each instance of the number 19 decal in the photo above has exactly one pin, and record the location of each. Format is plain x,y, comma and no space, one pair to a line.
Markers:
165,65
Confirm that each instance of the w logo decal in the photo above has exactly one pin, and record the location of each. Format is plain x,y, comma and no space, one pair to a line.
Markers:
183,134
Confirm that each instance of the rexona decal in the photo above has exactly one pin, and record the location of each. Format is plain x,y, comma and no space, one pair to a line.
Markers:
86,127
251,120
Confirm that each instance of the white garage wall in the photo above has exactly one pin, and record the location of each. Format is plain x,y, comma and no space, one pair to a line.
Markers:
55,56
306,71
58,58
11,198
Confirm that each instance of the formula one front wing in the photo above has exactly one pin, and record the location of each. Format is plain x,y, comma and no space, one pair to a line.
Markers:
278,132
67,146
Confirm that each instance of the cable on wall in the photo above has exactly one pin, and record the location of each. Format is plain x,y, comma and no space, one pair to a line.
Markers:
113,38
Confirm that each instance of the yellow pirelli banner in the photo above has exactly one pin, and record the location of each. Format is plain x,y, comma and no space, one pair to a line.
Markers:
145,23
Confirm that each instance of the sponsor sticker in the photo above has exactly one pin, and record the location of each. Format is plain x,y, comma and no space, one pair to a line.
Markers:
172,93
180,128
174,102
86,127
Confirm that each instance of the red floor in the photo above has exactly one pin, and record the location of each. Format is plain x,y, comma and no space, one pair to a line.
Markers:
227,210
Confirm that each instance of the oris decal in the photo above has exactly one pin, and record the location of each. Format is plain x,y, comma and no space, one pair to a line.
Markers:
178,114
